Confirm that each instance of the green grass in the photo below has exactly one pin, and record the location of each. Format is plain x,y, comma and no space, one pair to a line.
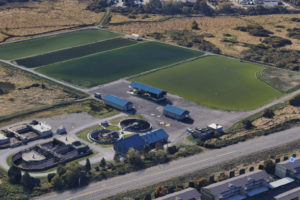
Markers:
75,52
112,65
53,43
216,82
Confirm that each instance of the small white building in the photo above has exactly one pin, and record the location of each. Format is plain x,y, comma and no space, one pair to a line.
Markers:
134,36
216,127
42,129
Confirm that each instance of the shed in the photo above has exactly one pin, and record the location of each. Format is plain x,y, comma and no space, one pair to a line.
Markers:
118,103
123,145
175,112
153,93
154,136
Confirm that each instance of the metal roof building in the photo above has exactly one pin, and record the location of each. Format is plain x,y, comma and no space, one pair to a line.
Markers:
287,168
123,145
155,136
148,91
118,103
187,194
175,112
237,188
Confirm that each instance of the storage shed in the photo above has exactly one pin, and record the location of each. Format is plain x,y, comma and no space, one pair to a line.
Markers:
147,91
118,103
175,112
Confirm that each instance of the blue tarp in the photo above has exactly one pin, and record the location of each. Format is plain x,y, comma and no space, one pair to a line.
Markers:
147,88
175,110
154,136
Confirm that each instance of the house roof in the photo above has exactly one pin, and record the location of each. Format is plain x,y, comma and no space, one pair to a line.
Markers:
116,100
154,136
147,88
215,126
281,182
175,110
135,141
291,194
187,194
240,181
290,165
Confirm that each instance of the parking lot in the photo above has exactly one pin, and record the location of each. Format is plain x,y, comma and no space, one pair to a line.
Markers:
202,116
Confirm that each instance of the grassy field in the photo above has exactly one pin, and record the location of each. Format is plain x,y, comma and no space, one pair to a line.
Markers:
108,66
215,82
67,54
53,43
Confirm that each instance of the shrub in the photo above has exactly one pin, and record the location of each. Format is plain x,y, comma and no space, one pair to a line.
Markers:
275,41
268,113
295,101
269,166
247,124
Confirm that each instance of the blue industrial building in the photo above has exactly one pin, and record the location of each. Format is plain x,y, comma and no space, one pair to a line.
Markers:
122,146
118,103
138,142
154,136
147,91
175,112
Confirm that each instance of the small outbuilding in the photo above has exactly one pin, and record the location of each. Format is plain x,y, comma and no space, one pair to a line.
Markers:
118,103
122,146
175,112
155,94
216,127
154,136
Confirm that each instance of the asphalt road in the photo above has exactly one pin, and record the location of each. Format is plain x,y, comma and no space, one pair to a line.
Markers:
106,188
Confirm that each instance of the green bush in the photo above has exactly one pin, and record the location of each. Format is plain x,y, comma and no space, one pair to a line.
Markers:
295,101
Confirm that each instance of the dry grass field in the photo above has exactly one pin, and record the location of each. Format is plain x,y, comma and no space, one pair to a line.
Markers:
21,99
218,26
23,19
118,18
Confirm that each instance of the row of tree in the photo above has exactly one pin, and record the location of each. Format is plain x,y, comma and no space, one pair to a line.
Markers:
15,177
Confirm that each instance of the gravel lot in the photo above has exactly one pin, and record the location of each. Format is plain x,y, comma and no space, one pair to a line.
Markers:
202,116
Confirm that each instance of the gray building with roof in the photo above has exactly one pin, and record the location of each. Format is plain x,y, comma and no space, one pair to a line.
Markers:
237,188
147,91
187,194
287,168
118,103
175,112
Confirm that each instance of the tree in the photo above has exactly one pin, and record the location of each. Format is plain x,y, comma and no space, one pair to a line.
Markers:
73,175
103,163
117,157
87,165
295,101
195,25
268,113
159,146
160,191
172,150
148,197
154,6
61,170
202,7
50,176
28,181
269,166
201,182
14,175
247,124
134,158
57,182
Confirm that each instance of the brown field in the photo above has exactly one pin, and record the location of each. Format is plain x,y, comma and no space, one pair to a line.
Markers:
22,19
118,18
218,26
27,99
282,115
